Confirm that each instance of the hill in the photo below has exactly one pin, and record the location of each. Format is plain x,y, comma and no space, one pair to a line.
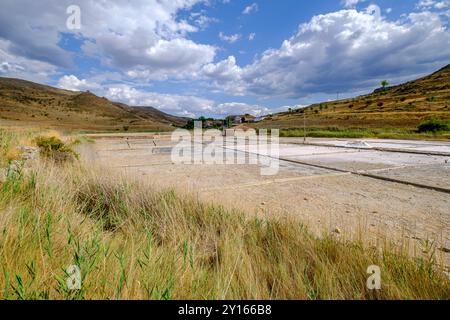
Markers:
28,103
399,107
153,113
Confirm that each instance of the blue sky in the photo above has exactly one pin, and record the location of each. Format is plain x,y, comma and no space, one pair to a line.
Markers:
219,57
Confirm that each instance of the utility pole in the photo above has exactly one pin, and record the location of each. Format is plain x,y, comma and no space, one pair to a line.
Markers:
304,126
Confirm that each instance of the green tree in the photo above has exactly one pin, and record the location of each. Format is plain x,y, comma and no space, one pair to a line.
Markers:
384,84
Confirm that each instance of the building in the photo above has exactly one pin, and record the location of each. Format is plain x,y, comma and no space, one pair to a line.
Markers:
247,118
239,119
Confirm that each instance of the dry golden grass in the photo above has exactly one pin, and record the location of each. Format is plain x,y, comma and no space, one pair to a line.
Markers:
10,140
131,241
13,154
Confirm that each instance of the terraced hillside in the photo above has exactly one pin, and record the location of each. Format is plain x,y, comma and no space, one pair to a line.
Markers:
403,106
27,103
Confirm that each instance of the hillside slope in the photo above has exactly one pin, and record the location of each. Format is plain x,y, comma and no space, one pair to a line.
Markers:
24,102
153,113
402,106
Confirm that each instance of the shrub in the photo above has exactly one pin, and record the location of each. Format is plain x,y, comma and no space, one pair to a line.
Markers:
433,125
54,148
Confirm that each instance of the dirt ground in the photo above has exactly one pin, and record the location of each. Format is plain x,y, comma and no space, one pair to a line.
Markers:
319,182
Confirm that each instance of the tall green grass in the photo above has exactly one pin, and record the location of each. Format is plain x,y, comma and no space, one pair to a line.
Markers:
131,241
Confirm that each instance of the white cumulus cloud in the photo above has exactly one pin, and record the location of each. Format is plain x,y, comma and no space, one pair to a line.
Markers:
71,82
341,51
181,105
142,35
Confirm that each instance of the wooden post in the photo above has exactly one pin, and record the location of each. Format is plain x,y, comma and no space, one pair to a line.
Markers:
304,125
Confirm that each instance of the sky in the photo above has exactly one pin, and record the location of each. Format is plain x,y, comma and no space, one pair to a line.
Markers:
219,57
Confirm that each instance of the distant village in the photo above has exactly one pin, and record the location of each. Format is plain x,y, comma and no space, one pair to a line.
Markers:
228,122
